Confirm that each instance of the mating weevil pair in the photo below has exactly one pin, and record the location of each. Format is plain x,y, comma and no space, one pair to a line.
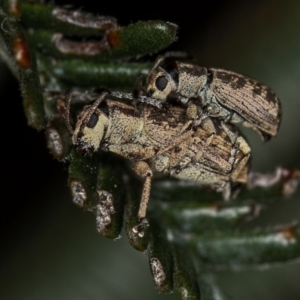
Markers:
186,143
157,140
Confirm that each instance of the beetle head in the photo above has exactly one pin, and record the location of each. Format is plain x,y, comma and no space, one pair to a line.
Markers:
160,84
90,128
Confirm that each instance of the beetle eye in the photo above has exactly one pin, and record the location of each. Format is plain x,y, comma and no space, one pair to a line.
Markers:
92,121
161,83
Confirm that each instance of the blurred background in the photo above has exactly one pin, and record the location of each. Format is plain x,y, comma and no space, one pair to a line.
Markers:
50,248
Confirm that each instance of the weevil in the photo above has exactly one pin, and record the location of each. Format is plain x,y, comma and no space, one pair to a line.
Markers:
219,93
156,140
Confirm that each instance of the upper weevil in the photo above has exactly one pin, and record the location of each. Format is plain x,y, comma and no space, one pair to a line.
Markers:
217,93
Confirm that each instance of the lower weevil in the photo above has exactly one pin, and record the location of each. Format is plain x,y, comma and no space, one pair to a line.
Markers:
155,140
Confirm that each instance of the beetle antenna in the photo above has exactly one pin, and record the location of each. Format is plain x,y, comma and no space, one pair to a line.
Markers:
138,87
96,104
99,100
174,54
66,116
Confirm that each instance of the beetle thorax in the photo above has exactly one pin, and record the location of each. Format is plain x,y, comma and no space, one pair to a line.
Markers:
192,80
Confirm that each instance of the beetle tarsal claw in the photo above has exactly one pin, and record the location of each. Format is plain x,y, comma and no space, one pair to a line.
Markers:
141,227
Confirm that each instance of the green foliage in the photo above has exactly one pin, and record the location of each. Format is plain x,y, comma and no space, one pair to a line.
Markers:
192,232
22,62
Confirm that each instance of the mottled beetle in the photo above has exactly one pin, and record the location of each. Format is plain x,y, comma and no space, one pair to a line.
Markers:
157,140
217,93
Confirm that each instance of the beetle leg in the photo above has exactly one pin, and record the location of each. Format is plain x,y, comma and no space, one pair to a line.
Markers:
192,114
239,144
197,118
239,168
208,125
177,140
132,151
237,140
202,119
143,170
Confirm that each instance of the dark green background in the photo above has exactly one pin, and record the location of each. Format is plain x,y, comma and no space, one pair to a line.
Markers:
50,249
